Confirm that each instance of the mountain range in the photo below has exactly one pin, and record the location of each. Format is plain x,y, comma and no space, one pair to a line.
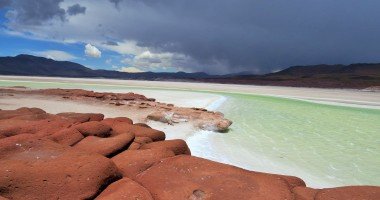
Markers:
359,75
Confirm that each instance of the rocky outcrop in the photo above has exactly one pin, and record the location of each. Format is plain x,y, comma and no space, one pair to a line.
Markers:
204,179
125,189
166,113
42,169
83,156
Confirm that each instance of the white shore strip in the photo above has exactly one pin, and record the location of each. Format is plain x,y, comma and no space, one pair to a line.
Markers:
345,97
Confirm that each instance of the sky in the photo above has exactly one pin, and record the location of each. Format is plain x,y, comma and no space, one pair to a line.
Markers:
212,36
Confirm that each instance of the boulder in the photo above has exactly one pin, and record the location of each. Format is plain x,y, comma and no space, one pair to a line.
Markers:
143,140
304,193
177,146
143,125
42,169
94,128
161,116
8,114
220,125
82,117
106,146
139,131
189,177
68,136
134,146
117,120
125,189
133,162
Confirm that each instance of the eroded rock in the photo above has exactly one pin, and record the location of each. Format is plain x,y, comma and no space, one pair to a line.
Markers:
133,162
43,169
125,189
177,146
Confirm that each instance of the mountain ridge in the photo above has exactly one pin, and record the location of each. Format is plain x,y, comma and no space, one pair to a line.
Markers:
358,75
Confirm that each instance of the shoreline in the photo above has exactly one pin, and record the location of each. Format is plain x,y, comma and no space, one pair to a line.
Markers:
331,96
188,133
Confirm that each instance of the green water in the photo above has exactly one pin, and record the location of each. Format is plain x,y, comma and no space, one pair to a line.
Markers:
323,144
332,144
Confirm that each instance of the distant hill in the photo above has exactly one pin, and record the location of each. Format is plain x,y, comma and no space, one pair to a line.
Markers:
28,65
360,75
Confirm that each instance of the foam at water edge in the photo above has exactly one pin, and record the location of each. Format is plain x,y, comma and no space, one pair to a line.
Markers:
216,104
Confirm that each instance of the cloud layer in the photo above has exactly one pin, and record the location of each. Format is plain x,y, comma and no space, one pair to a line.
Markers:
216,36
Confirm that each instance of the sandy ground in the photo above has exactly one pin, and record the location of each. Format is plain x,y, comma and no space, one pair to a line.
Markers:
348,97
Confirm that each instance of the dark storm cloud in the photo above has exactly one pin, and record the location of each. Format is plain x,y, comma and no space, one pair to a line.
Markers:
76,9
116,2
226,36
111,43
4,3
35,12
27,12
258,35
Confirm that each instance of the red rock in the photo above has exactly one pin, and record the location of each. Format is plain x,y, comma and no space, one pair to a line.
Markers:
8,114
125,189
139,131
94,128
292,180
143,125
76,117
32,117
133,162
189,177
143,140
304,193
106,146
117,120
177,146
42,169
3,198
50,127
134,146
349,193
69,136
11,127
45,127
82,117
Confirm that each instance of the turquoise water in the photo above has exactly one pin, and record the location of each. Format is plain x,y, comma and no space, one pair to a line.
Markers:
323,144
334,145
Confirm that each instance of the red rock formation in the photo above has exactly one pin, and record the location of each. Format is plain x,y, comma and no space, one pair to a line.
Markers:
69,136
204,179
106,146
177,146
125,189
42,169
94,128
133,162
64,156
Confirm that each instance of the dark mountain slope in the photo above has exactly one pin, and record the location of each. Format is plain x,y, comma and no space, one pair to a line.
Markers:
332,76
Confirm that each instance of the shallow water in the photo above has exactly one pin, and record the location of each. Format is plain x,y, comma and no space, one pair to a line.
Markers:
325,145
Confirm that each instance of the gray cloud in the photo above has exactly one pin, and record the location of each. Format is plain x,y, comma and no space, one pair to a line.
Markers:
35,12
229,36
4,3
111,43
76,9
116,2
